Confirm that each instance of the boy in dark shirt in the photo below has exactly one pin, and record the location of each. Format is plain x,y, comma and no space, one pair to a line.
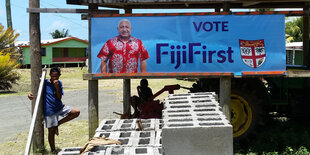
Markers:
53,106
144,93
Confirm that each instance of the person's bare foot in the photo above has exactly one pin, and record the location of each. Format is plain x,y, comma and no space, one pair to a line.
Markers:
54,152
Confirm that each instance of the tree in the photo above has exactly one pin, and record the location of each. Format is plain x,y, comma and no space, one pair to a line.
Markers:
9,57
7,39
60,34
293,30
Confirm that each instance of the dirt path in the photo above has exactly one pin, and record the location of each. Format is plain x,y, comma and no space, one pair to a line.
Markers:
16,110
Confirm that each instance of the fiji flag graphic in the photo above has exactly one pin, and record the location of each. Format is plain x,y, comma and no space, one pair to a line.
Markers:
253,52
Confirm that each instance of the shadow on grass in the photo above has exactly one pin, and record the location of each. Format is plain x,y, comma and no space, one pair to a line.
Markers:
278,136
4,92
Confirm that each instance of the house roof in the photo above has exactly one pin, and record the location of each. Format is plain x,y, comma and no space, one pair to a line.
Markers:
49,42
294,46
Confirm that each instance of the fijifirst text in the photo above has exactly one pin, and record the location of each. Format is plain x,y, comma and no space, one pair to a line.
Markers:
182,54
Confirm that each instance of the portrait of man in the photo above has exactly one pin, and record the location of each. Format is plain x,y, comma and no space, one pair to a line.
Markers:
121,54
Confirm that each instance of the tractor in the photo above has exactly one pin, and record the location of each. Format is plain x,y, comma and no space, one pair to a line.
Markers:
252,99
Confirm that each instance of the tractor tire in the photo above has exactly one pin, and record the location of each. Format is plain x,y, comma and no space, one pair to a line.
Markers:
247,102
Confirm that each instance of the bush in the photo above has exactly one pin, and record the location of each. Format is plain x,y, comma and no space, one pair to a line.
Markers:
8,74
9,57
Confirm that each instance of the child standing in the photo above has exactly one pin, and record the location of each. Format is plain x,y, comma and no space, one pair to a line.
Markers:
53,106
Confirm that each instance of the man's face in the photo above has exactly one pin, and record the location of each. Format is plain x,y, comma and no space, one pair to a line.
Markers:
54,76
124,29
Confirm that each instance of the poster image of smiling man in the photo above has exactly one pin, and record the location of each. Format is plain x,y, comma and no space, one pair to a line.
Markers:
122,53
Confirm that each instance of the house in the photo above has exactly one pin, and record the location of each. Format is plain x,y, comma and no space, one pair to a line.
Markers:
294,53
66,52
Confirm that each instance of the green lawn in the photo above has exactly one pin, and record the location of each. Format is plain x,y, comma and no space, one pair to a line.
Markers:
72,79
71,134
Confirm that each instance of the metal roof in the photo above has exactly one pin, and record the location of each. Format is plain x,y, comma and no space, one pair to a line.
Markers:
49,42
183,4
294,46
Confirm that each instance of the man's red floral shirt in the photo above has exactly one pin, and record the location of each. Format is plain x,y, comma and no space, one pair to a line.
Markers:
123,57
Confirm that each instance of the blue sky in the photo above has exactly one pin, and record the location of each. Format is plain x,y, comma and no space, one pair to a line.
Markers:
49,22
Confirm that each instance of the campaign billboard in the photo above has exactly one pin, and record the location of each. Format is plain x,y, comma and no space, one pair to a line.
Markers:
191,44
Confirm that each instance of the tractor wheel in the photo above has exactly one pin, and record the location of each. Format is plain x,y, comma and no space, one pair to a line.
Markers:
241,115
247,101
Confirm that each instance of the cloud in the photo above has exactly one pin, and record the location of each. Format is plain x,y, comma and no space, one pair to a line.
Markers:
2,12
48,27
2,16
18,31
59,25
23,36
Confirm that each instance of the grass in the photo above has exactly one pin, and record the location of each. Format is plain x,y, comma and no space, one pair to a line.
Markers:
72,79
276,137
71,134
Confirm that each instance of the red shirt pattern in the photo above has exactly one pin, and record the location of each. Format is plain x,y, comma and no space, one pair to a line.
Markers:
123,57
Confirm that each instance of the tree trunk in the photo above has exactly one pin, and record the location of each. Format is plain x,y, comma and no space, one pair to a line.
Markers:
36,71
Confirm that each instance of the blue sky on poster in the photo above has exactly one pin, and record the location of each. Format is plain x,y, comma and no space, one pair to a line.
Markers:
49,22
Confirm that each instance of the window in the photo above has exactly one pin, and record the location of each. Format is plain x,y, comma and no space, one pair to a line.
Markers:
290,57
43,51
65,52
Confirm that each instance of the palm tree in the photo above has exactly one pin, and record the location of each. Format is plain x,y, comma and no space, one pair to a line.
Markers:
7,39
9,58
293,30
60,34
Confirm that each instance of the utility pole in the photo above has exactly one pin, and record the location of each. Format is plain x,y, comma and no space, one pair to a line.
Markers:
36,71
8,14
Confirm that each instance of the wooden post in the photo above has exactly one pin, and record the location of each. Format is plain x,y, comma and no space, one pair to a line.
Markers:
92,107
306,31
226,7
36,70
225,91
126,86
93,120
128,10
225,84
126,96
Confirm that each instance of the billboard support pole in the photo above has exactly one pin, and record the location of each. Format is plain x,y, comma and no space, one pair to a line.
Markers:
93,119
306,41
226,7
225,91
225,85
126,86
306,27
126,97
